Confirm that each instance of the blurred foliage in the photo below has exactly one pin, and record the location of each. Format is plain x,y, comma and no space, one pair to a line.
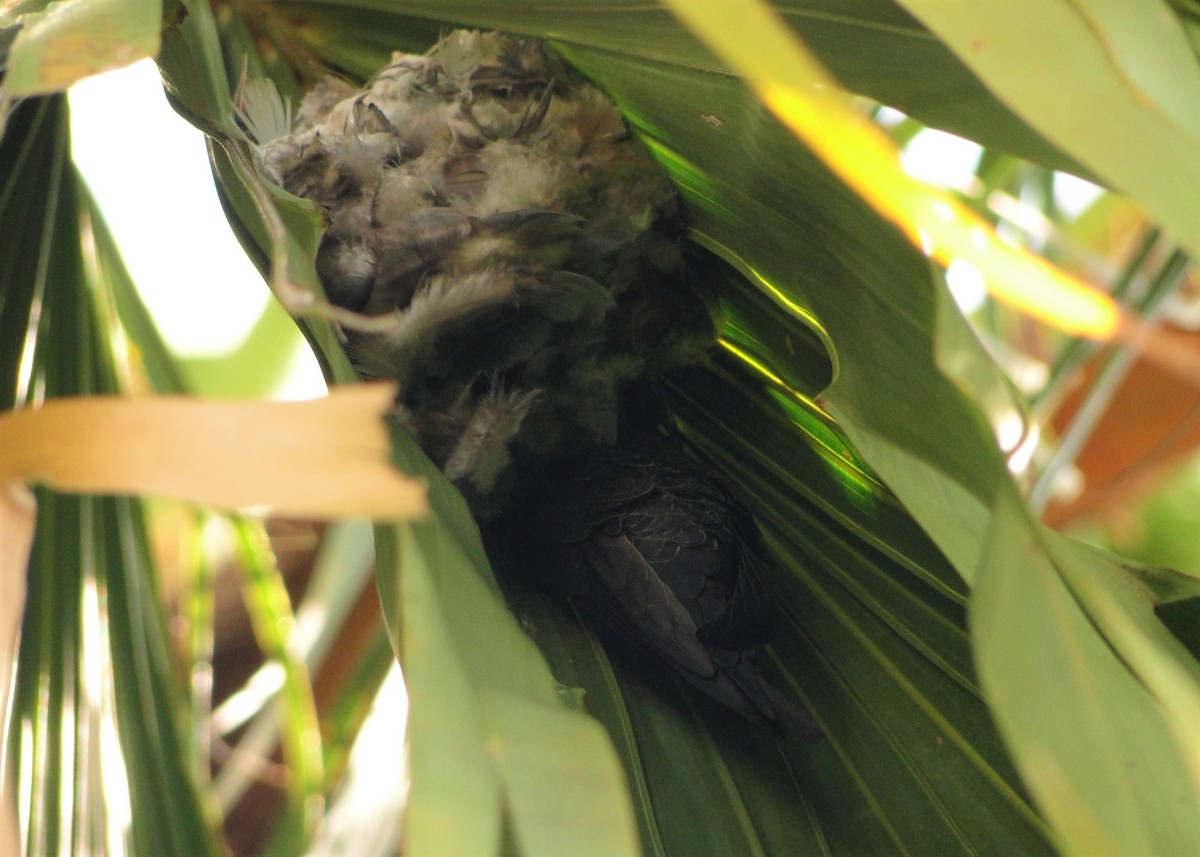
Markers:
987,686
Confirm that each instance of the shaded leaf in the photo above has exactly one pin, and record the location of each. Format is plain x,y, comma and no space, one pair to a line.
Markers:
487,723
764,203
31,164
872,638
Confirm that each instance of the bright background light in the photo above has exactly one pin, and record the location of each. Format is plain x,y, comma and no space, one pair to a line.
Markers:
148,169
942,159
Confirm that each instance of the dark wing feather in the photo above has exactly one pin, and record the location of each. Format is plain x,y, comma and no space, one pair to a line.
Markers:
646,541
621,586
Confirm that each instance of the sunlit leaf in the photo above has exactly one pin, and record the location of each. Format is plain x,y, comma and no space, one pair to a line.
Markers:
791,82
274,624
1122,99
336,446
72,39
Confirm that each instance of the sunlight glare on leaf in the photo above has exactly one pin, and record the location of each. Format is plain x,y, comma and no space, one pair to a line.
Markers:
942,227
802,95
1017,439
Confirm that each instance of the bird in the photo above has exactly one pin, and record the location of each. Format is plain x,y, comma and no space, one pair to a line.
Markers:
650,542
526,264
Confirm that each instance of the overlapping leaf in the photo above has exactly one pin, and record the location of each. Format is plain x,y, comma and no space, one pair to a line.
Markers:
492,730
47,46
876,644
873,46
95,715
1122,100
926,479
652,91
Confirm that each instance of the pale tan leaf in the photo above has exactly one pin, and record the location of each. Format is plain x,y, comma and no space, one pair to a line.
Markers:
327,457
324,458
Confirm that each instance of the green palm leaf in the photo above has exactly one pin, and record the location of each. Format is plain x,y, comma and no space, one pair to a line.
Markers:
668,101
97,738
850,407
